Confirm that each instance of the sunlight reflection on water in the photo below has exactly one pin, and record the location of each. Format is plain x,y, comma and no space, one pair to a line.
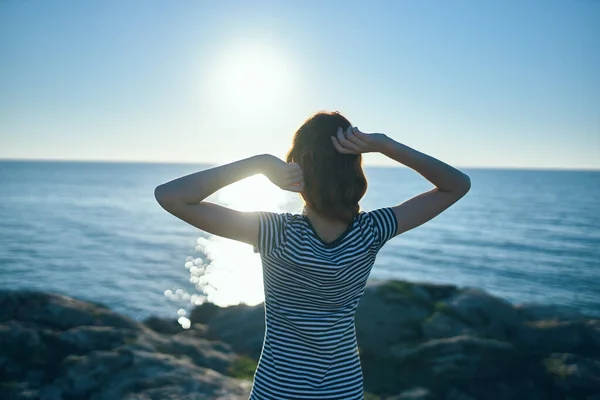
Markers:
226,272
233,273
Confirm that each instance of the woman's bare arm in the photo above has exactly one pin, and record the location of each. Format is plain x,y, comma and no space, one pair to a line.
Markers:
184,197
450,183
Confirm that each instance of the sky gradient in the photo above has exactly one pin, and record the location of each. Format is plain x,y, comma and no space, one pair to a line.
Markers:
477,84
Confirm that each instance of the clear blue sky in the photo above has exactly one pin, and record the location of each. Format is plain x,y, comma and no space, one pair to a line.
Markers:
474,83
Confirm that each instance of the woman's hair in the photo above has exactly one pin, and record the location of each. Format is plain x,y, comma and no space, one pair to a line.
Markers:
334,182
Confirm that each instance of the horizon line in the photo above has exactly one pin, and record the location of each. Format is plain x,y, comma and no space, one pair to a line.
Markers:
369,165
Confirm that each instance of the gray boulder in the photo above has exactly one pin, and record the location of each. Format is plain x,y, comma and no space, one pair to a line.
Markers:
592,334
240,326
460,358
554,336
419,341
487,315
574,374
163,325
418,393
57,311
57,348
543,312
124,374
441,325
389,314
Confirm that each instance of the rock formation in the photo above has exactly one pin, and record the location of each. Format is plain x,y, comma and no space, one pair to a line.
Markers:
416,341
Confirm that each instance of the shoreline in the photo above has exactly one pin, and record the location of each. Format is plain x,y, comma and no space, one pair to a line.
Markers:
415,339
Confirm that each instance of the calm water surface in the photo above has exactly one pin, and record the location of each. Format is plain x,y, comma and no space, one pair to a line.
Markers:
94,231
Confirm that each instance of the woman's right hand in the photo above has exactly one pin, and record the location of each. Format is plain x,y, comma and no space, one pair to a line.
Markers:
353,141
288,176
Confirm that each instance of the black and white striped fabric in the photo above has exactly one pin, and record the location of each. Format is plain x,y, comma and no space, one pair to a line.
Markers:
312,289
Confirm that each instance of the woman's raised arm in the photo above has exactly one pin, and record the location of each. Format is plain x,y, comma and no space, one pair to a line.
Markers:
450,183
184,197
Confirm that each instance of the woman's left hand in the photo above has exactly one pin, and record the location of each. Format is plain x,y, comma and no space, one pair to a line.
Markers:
286,176
353,141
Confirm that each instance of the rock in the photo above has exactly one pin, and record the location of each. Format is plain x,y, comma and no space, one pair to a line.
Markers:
56,348
241,326
163,325
419,341
421,292
196,330
57,311
554,336
85,375
84,339
487,315
145,375
401,318
25,348
592,335
458,395
576,375
511,389
418,393
214,355
460,358
387,316
441,325
204,313
437,292
540,312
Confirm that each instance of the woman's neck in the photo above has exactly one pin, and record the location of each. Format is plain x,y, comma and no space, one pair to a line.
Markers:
329,230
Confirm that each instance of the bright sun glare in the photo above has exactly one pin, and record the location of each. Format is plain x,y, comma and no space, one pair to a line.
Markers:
231,273
250,77
256,193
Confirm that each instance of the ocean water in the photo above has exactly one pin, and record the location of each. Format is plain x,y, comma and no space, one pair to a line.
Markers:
94,231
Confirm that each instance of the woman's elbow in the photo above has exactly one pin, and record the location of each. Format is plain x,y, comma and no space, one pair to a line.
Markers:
464,185
161,195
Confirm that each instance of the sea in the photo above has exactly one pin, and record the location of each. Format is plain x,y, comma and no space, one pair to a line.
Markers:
93,230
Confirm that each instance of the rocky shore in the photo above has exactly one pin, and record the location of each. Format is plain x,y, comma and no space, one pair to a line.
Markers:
417,341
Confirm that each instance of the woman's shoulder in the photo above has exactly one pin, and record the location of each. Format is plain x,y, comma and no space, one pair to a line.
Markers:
376,217
295,219
281,217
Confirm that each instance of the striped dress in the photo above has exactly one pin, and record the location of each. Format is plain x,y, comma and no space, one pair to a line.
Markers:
312,289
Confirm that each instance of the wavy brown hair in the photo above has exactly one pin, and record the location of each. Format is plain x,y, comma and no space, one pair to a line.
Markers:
334,183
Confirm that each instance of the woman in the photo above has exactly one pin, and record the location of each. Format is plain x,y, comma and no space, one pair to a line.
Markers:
316,264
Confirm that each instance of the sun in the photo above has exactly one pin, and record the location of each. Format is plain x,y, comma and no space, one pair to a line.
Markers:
250,77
